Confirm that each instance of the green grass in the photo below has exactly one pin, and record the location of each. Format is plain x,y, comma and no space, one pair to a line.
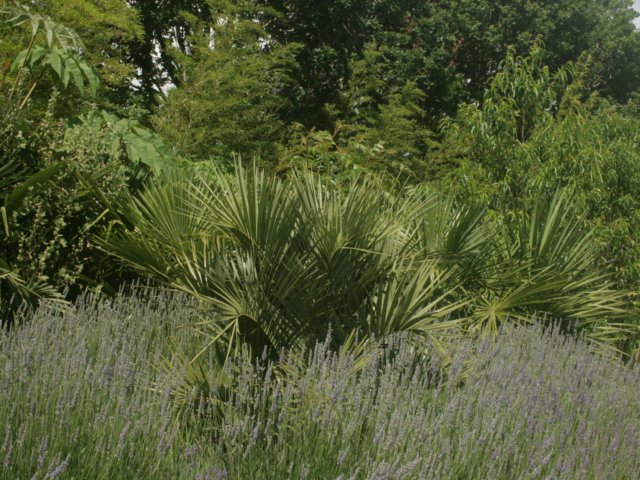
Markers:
83,395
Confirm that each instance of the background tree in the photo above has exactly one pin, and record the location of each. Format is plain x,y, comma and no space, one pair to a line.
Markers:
537,130
166,26
106,28
449,49
234,93
486,29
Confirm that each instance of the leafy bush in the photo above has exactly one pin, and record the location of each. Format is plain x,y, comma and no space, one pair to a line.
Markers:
51,231
536,131
58,159
53,57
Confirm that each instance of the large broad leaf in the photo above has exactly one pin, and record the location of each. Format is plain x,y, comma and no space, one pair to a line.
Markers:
20,60
62,49
150,149
54,33
91,76
38,53
72,67
142,145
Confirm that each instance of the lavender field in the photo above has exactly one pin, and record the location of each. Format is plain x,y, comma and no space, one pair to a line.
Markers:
102,390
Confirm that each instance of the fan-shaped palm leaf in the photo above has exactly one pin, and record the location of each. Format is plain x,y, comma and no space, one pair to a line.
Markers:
280,263
548,266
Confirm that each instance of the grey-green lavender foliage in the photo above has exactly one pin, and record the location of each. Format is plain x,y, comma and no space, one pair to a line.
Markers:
81,396
78,394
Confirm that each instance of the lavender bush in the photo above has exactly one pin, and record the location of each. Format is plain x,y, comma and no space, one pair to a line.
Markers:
83,395
78,393
531,405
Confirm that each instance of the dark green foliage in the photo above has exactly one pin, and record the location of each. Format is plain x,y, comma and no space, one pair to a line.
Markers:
50,235
391,116
55,51
330,32
536,131
15,288
52,164
52,228
164,24
394,59
484,30
449,50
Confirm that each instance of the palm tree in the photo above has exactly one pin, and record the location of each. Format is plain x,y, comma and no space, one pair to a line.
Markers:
280,263
546,264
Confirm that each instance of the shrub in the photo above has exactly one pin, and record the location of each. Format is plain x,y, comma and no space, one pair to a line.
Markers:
281,262
81,395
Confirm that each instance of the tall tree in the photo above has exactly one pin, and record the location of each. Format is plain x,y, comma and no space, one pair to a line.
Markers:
233,93
486,29
166,26
450,49
331,32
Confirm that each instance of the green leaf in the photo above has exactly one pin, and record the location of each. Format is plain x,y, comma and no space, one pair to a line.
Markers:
35,25
91,76
37,54
66,75
73,69
19,60
49,28
55,60
5,220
